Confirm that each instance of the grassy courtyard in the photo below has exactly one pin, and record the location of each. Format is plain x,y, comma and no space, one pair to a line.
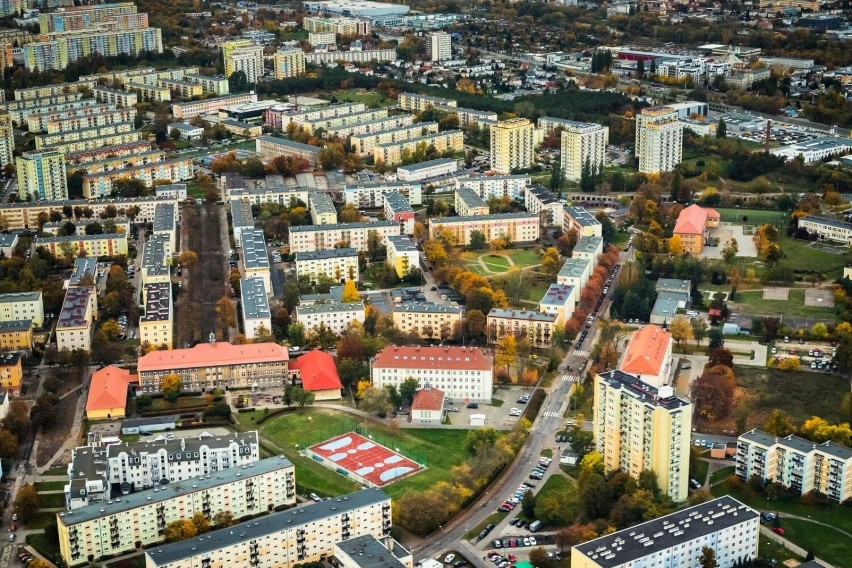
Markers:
794,305
803,255
825,542
816,394
439,449
489,264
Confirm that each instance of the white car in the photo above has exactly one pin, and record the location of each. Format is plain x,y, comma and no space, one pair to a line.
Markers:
515,412
532,541
449,558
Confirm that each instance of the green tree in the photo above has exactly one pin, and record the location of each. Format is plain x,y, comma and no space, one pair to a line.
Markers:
238,82
223,519
296,334
8,444
408,388
708,558
528,504
556,175
480,440
729,252
779,424
27,502
302,397
477,240
722,129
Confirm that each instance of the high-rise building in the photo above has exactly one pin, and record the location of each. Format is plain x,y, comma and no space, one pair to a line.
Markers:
640,427
41,175
7,140
241,55
289,62
659,139
442,46
59,49
583,145
512,145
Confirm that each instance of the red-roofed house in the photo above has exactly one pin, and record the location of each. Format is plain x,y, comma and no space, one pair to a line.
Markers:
108,393
318,374
428,406
649,355
692,227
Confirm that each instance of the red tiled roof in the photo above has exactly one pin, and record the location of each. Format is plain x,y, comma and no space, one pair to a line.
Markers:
207,355
318,371
428,399
647,351
108,388
691,221
712,213
437,357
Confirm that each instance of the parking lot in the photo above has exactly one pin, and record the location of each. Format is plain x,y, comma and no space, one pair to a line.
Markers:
814,355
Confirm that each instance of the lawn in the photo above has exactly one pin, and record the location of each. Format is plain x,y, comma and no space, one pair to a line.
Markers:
50,486
493,519
440,449
826,543
523,258
620,238
57,471
699,474
755,216
815,394
182,402
52,500
721,474
753,302
372,99
801,256
45,546
40,520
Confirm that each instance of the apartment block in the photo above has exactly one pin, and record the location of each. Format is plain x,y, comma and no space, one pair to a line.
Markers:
372,195
289,62
41,175
796,463
516,227
187,110
322,208
7,140
112,163
403,254
538,327
22,306
286,539
99,185
427,170
100,471
370,552
414,102
512,144
21,109
254,306
583,145
11,372
116,97
254,259
588,248
279,116
372,126
41,92
95,141
241,55
336,316
539,201
580,220
659,139
329,124
150,93
37,121
441,44
154,266
363,56
398,209
311,238
462,373
165,225
156,324
272,147
74,326
121,526
181,89
214,84
428,320
469,116
726,526
242,219
496,186
16,335
48,140
216,365
322,38
827,228
90,117
339,264
62,48
342,26
560,299
393,152
24,215
468,203
641,427
85,245
73,18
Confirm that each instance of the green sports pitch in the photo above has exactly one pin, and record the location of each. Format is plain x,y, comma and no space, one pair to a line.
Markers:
753,216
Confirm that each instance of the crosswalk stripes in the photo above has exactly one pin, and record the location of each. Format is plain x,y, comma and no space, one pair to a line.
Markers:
566,378
551,414
580,353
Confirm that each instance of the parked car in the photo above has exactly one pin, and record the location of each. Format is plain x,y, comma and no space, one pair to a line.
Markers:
449,558
778,530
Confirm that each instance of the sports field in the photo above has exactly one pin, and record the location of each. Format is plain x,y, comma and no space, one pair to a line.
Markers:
754,216
357,457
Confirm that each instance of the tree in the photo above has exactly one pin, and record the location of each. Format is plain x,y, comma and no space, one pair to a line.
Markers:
729,252
722,129
182,529
474,323
45,410
38,562
200,522
27,502
8,444
223,519
819,330
708,558
350,292
720,356
226,312
408,387
477,240
375,401
715,338
539,557
302,397
595,496
506,352
681,329
111,329
779,424
675,245
550,262
296,334
528,504
238,81
699,329
172,383
187,258
477,441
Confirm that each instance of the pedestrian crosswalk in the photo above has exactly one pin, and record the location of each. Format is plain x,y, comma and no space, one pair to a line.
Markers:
569,378
550,414
581,353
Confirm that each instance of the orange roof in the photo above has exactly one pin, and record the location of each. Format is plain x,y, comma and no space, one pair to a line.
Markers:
712,213
691,221
108,388
318,371
428,399
215,355
433,357
647,351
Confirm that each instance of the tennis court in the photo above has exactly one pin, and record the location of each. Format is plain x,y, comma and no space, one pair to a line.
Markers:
362,460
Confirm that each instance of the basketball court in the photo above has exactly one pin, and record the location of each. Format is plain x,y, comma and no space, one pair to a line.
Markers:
781,294
362,460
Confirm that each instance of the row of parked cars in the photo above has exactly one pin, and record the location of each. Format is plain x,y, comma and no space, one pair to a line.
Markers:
538,471
513,542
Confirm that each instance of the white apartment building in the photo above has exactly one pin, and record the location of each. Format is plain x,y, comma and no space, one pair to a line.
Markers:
142,465
364,56
659,139
121,526
539,201
254,307
827,228
796,463
468,203
583,143
378,125
461,373
74,327
339,264
248,59
403,254
512,143
322,38
322,208
442,46
496,186
154,267
517,227
332,123
559,300
284,539
364,144
372,195
17,306
391,153
311,238
724,525
165,225
427,170
575,272
640,427
588,248
414,102
336,316
157,323
242,219
428,320
342,26
580,220
254,258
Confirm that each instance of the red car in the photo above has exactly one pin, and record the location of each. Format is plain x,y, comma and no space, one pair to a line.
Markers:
778,530
14,527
